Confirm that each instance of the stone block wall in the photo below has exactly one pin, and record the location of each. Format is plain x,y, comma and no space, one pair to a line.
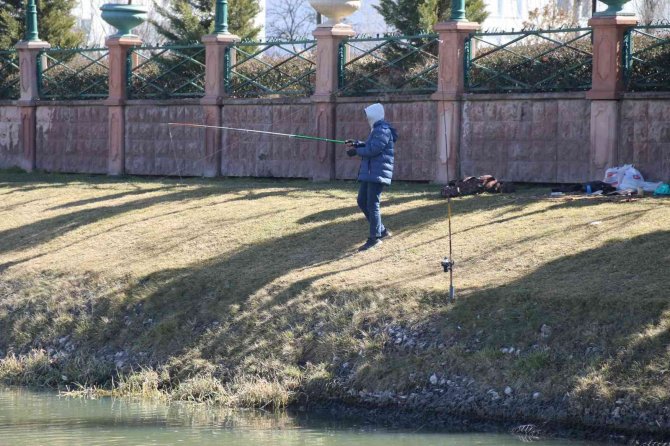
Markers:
528,138
72,137
10,148
415,119
154,148
525,138
645,135
248,154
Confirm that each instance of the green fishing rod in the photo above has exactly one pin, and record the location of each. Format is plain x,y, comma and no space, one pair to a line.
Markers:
287,135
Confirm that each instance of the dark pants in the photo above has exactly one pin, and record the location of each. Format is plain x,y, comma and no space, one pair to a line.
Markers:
369,197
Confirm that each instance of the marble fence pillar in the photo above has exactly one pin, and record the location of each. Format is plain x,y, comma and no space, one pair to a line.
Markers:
450,89
118,50
607,85
27,103
216,46
328,38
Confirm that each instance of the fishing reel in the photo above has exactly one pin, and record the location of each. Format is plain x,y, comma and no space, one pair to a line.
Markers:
448,264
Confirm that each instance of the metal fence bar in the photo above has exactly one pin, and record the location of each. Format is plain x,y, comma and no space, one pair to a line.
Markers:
529,61
389,64
9,74
271,68
530,32
164,72
647,58
73,74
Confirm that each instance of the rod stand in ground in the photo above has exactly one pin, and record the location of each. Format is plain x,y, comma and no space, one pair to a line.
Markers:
448,262
448,265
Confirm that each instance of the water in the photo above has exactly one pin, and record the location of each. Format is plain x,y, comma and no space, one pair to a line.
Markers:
29,418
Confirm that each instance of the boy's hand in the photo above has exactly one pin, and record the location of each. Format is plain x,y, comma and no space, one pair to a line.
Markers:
354,143
352,152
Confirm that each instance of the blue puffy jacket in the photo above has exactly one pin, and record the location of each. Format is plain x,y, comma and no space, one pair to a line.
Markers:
378,157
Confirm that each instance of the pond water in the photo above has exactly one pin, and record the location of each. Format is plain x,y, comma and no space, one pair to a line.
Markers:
30,418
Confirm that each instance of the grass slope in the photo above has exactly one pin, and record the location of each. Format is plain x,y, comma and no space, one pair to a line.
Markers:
249,292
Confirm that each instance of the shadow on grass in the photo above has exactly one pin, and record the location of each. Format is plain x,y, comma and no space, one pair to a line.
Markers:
42,231
596,303
116,196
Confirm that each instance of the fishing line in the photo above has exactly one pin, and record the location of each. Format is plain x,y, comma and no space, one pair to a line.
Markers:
263,132
178,170
174,154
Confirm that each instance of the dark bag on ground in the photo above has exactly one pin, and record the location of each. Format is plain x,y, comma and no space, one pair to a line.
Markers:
599,185
476,185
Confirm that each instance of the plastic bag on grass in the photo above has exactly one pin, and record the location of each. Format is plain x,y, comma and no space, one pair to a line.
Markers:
648,186
663,189
614,175
632,179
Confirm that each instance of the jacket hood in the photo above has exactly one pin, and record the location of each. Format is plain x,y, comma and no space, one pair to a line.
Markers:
394,132
375,113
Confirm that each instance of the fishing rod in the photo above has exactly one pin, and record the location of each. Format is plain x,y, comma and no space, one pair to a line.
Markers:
448,262
262,132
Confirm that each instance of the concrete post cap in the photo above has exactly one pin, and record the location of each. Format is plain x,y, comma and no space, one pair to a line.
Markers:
32,45
456,26
220,38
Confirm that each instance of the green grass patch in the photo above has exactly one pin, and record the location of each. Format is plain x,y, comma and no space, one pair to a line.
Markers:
249,292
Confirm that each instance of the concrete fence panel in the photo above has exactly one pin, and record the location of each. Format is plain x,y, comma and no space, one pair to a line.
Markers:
644,135
415,118
529,138
71,137
10,147
249,154
154,148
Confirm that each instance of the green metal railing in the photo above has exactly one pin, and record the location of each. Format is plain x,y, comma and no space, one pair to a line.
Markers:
73,73
388,64
529,61
647,58
164,72
9,75
261,69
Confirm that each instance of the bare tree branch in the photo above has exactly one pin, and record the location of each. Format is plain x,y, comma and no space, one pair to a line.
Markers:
649,10
290,19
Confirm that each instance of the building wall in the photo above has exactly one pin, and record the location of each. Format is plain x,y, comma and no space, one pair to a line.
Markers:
528,138
72,137
10,148
155,148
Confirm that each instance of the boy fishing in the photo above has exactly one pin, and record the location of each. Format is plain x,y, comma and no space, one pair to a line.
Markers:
375,172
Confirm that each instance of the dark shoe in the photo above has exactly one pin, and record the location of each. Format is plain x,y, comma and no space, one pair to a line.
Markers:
371,243
385,234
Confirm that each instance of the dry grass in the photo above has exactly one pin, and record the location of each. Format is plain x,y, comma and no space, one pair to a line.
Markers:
254,288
